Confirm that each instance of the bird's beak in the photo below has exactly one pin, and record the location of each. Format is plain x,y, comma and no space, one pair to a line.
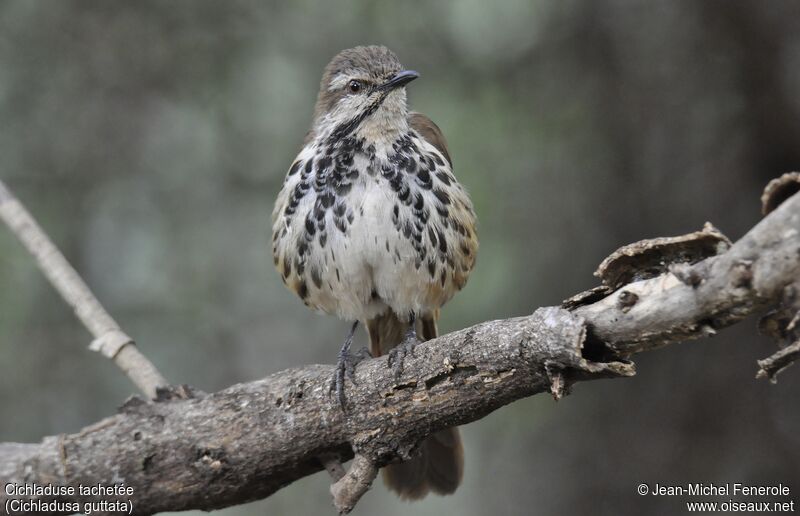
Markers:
400,79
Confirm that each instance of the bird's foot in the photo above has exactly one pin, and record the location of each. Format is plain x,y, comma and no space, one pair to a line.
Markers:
346,366
398,354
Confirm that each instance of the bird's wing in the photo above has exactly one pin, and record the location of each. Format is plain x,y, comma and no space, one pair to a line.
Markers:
431,132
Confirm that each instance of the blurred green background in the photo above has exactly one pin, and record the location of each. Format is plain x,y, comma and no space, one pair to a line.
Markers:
150,139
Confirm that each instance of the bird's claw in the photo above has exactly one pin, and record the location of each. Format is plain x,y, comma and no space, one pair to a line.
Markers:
346,367
398,354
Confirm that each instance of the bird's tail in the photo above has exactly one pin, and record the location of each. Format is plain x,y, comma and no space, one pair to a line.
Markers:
440,464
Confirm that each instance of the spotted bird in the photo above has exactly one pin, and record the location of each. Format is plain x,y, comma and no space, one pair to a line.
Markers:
372,226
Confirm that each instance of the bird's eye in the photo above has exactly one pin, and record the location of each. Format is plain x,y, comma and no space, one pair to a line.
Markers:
354,86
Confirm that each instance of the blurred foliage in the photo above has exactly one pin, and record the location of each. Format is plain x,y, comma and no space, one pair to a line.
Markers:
150,138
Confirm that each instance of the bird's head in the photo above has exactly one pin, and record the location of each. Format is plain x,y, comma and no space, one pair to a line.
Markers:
362,92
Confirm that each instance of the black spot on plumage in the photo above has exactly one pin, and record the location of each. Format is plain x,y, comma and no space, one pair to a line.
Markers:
311,228
443,277
400,160
404,194
287,267
424,179
343,188
465,249
419,203
309,165
443,212
339,209
340,224
432,236
323,239
438,160
323,164
350,218
429,161
302,247
302,290
444,177
327,199
320,182
338,278
396,182
300,266
411,165
319,211
432,267
443,196
346,159
442,241
298,193
407,229
315,277
388,172
351,145
295,167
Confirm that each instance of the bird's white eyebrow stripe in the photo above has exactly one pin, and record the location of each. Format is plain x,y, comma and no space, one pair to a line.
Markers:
342,78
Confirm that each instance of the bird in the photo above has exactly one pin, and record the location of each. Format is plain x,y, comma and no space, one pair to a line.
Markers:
371,225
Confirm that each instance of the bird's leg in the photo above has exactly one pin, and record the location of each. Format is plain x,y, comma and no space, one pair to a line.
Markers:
346,365
398,353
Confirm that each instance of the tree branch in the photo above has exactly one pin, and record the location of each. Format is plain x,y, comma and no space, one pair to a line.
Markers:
247,441
109,339
780,360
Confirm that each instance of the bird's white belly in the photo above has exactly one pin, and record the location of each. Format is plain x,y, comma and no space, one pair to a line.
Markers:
391,229
376,265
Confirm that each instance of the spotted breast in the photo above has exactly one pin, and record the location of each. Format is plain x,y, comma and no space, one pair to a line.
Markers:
362,227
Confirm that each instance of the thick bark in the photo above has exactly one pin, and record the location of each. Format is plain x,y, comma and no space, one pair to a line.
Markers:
241,444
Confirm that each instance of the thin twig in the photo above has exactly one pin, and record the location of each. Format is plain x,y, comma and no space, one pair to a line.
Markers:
109,339
776,363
